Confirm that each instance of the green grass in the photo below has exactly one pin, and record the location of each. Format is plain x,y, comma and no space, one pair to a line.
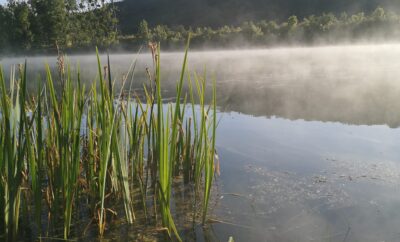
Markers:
77,146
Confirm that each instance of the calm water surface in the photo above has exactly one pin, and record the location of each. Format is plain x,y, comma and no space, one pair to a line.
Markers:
308,139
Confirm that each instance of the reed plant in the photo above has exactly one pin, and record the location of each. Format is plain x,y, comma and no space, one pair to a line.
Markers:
15,124
95,147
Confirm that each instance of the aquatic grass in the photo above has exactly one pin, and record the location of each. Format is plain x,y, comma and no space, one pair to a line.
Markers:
209,162
166,155
105,122
14,124
36,158
97,148
67,131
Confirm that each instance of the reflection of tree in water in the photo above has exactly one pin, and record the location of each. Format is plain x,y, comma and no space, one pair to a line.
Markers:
353,84
375,105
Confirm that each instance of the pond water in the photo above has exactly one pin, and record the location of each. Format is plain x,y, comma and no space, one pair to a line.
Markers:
308,139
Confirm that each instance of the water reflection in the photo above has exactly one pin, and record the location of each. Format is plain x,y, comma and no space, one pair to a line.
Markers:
298,180
348,84
308,140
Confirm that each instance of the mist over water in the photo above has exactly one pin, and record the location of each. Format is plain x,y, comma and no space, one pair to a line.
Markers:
356,84
311,134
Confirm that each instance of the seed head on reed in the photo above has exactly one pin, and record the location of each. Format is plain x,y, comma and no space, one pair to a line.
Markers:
105,73
153,48
60,61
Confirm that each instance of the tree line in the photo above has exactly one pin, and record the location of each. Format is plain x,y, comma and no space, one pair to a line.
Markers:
84,24
45,24
327,28
217,13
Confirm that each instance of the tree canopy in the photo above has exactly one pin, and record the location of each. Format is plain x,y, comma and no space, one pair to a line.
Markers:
327,28
43,24
78,24
217,13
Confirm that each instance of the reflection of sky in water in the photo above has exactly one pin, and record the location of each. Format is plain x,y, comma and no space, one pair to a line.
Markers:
292,167
288,180
260,137
349,84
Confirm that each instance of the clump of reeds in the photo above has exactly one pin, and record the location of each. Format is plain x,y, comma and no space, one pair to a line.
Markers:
91,146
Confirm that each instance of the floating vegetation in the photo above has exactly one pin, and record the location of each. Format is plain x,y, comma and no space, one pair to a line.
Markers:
87,148
276,189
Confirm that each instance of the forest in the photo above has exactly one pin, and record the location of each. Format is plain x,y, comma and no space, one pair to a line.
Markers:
328,28
217,13
45,25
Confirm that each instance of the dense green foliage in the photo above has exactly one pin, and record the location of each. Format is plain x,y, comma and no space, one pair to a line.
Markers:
217,13
76,156
43,24
328,28
76,24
